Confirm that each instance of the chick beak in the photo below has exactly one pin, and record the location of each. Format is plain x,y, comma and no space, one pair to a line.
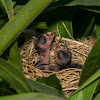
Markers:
57,47
50,34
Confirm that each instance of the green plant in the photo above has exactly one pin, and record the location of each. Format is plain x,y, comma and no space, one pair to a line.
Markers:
12,72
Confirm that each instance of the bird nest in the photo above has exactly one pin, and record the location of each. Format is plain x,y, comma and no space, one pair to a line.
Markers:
69,77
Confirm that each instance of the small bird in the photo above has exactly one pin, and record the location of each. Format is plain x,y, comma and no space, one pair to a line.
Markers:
42,44
62,57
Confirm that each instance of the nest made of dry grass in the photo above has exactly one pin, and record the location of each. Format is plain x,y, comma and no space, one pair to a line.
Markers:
69,77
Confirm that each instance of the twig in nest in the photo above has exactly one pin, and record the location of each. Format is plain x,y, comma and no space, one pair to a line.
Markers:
60,39
31,49
58,33
57,30
70,89
68,69
74,41
67,30
79,52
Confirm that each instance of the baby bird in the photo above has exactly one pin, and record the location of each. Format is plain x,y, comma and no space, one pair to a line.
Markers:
42,44
62,57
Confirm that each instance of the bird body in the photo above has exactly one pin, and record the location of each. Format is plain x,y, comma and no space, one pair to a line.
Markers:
42,44
62,54
62,57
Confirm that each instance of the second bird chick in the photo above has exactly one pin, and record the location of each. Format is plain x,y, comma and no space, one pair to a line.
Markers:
62,57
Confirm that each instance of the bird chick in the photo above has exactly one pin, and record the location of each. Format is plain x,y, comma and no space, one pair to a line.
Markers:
62,57
42,44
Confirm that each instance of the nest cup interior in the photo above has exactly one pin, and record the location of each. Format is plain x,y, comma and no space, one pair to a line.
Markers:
69,77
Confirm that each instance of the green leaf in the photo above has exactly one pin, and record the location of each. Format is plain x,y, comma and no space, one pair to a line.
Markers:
40,87
40,25
21,2
84,2
14,56
95,9
52,81
87,88
9,8
3,21
92,63
98,30
62,29
97,97
84,25
90,26
31,96
14,77
86,93
17,8
97,22
16,25
56,16
14,3
93,78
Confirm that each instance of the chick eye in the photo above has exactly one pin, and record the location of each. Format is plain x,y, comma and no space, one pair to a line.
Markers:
62,54
42,39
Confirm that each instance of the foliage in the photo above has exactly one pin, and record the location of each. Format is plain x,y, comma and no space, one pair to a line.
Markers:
51,81
81,17
32,96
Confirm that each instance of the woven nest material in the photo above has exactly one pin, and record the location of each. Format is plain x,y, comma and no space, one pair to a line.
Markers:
69,77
